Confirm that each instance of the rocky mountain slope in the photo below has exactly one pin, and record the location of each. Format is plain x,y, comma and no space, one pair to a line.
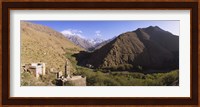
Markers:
40,43
98,45
150,48
87,44
80,41
96,40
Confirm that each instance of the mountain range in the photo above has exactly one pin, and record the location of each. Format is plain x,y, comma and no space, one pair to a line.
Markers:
81,42
149,48
87,44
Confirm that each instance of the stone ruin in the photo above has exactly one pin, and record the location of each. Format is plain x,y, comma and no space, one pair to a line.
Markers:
36,68
39,69
68,78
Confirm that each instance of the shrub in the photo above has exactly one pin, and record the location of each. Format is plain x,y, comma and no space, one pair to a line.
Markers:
169,78
110,82
121,68
113,68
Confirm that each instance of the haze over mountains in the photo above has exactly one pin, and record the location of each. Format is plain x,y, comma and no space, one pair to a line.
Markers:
151,48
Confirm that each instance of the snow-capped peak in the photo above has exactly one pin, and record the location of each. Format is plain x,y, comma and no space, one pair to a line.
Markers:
96,41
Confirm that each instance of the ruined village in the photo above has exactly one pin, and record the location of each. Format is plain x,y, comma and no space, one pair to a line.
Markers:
62,79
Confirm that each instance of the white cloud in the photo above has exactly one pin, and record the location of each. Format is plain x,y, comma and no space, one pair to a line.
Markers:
98,33
72,32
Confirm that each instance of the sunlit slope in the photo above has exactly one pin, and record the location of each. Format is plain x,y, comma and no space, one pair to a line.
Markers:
40,43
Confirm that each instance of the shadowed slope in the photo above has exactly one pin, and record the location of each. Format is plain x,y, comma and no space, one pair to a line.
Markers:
151,48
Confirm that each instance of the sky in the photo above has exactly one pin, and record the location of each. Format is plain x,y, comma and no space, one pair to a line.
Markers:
107,29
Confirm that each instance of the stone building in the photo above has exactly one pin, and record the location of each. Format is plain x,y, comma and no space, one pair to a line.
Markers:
36,68
69,79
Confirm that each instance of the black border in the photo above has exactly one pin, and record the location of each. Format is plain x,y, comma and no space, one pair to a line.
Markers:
6,6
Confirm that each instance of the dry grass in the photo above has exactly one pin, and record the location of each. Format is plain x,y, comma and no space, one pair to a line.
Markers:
40,43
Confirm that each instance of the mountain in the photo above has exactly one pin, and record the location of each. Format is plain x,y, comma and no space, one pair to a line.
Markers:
100,44
84,43
149,48
87,44
41,43
96,41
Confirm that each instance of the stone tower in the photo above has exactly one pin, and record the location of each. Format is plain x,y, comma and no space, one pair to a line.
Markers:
67,69
43,69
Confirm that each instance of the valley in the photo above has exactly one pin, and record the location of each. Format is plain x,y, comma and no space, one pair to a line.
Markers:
143,57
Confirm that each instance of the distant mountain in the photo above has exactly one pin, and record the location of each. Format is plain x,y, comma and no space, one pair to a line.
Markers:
84,43
41,43
87,44
99,45
149,48
96,41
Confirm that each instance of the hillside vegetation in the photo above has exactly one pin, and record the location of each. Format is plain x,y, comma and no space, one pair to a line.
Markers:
97,78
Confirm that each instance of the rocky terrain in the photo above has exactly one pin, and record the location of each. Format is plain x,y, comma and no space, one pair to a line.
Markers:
87,44
81,42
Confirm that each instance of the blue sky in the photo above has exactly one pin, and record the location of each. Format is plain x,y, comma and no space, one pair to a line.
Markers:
106,29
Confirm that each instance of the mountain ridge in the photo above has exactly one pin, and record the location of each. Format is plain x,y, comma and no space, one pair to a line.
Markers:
87,44
150,47
80,41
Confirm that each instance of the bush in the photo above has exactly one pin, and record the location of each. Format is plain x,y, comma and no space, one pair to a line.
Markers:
114,68
122,68
169,78
111,82
128,66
